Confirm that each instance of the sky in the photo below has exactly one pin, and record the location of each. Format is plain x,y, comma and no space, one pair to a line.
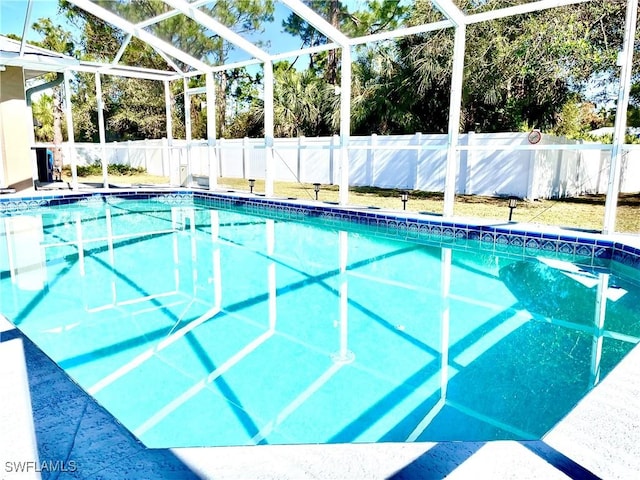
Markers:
12,14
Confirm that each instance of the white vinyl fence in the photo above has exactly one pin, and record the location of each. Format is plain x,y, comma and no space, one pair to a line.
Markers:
494,164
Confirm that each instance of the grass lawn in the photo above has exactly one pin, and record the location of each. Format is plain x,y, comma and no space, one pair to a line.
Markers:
138,178
585,212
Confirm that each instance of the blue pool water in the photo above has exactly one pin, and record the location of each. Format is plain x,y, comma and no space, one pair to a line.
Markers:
199,327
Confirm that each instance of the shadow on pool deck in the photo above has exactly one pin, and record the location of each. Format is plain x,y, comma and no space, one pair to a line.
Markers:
449,456
74,433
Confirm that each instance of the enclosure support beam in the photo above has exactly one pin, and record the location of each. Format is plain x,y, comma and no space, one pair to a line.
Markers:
3,180
519,9
450,10
215,26
186,181
317,21
211,131
70,140
101,132
345,123
269,163
123,47
169,125
620,126
454,120
25,28
140,33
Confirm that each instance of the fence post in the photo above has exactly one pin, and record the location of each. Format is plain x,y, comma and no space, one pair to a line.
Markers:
556,191
146,147
217,155
335,140
418,137
245,141
532,193
465,184
165,154
371,160
298,158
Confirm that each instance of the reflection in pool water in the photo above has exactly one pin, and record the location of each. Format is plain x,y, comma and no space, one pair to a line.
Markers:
205,327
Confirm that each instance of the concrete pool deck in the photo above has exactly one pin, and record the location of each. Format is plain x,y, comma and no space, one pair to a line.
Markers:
53,429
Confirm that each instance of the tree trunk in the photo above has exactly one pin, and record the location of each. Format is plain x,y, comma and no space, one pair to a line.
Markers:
57,133
332,55
221,105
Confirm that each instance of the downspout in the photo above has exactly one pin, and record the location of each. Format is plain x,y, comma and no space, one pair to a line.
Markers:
53,83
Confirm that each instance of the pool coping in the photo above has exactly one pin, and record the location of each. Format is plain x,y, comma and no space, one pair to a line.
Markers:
599,438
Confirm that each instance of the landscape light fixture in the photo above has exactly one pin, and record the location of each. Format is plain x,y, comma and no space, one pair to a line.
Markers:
404,196
316,188
513,203
252,183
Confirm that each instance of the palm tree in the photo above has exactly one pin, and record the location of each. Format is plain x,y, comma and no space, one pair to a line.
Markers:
43,111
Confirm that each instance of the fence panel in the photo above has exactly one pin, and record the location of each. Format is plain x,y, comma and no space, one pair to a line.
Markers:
254,158
432,163
630,175
383,161
285,159
361,160
231,158
315,160
498,172
393,168
593,170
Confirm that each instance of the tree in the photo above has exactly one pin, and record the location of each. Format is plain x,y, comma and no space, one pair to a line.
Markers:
519,71
133,108
131,118
367,94
525,71
378,15
380,102
303,103
244,17
336,14
42,110
576,118
56,39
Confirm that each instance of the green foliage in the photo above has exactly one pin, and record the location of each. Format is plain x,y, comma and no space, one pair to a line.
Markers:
304,104
95,169
633,116
55,38
521,72
43,113
375,16
608,138
380,101
134,109
145,98
575,119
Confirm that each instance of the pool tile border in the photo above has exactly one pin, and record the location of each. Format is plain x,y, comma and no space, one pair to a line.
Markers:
507,239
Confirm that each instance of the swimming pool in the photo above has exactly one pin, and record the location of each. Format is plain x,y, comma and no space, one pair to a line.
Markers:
201,319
